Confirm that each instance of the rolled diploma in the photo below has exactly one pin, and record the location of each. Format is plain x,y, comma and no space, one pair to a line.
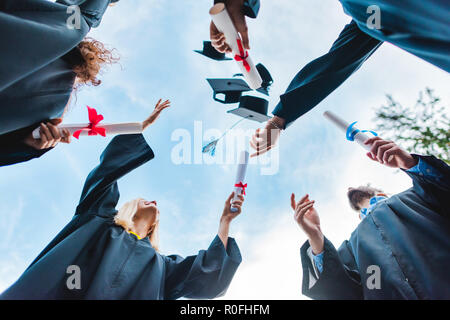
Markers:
222,21
240,176
117,128
360,137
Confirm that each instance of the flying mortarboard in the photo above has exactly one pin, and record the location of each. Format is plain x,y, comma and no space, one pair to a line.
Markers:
231,88
252,108
266,77
210,52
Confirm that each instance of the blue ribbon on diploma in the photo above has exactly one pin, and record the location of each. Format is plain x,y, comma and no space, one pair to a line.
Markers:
352,131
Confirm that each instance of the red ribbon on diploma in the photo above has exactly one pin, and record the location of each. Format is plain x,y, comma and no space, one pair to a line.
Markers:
94,120
242,56
241,185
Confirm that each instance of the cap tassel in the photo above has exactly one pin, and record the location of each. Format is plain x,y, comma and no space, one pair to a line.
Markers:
211,146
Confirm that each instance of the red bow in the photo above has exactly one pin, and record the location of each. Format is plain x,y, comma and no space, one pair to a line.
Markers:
92,128
241,185
242,56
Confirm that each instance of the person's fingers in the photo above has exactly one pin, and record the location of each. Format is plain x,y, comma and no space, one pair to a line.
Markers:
372,140
253,145
227,202
56,121
371,156
382,149
301,213
222,48
46,136
241,197
388,155
259,152
67,136
300,206
302,200
54,131
220,41
258,133
293,201
244,36
215,36
157,104
376,144
237,203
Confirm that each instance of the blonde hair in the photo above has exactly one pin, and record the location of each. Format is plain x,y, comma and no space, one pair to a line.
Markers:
124,218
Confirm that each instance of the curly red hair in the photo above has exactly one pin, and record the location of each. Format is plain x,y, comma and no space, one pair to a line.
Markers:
95,56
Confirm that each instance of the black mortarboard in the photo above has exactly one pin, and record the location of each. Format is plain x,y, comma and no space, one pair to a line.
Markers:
231,88
252,108
266,77
210,52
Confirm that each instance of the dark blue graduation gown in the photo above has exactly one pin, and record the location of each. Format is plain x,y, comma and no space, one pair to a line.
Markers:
36,77
115,264
407,236
419,27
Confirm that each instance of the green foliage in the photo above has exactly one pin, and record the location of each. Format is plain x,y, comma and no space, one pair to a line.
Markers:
423,128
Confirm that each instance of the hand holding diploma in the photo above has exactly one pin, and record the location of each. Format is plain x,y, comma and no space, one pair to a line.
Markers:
49,136
231,38
388,153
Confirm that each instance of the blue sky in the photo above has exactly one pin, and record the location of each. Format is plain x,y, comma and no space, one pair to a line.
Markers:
155,40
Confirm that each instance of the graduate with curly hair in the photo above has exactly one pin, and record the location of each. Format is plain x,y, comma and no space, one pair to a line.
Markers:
44,60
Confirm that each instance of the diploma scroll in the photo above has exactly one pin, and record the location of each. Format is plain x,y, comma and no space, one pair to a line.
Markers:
224,24
352,133
240,185
118,128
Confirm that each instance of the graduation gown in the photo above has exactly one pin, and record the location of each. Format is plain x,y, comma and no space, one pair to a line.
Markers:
36,76
419,27
406,236
113,263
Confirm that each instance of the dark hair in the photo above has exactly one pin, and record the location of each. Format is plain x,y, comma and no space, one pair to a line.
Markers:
357,195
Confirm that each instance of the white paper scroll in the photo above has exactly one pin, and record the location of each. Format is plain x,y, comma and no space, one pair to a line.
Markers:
240,176
359,137
118,128
222,21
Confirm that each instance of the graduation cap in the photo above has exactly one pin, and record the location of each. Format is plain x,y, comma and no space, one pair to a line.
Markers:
252,108
231,88
210,52
266,77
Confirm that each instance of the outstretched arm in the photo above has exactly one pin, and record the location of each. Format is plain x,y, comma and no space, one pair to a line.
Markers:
316,81
431,176
123,154
208,274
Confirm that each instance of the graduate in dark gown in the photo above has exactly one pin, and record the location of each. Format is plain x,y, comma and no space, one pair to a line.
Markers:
416,26
400,249
37,69
116,252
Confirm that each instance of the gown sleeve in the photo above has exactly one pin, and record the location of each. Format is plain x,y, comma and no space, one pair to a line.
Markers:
13,150
35,33
340,278
431,181
322,76
122,155
203,276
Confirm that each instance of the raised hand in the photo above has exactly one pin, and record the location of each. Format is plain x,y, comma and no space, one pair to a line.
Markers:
156,112
388,153
264,140
308,219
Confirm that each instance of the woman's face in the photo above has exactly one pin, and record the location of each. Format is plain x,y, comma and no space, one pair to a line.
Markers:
148,210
